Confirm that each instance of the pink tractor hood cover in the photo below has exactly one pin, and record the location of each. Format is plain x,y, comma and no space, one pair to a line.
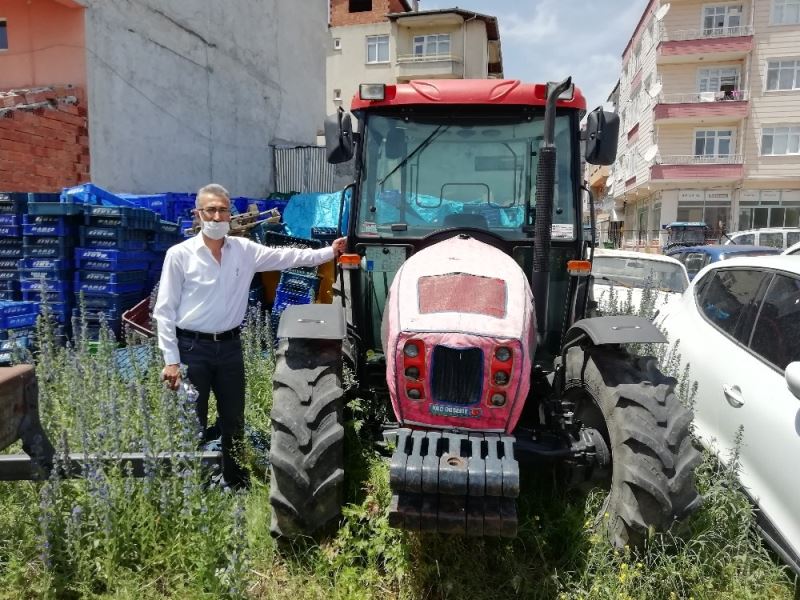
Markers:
457,296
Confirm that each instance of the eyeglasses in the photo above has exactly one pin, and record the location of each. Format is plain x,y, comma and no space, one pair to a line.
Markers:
213,210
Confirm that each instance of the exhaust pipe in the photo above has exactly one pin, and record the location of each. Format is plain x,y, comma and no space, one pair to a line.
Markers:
545,189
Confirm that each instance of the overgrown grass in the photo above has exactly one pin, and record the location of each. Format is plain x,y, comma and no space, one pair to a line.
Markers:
168,535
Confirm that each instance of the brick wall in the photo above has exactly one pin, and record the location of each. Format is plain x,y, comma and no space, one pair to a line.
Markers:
44,141
341,15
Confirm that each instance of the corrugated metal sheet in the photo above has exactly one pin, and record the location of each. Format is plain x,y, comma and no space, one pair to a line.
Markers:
303,169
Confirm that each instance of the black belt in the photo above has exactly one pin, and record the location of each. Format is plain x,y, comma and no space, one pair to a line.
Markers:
231,334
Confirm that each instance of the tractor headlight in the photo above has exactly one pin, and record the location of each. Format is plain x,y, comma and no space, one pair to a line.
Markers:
501,378
498,399
502,354
411,350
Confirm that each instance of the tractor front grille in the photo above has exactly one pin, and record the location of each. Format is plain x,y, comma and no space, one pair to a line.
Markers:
457,375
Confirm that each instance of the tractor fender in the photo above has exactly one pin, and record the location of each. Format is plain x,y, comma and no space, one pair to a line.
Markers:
313,321
620,329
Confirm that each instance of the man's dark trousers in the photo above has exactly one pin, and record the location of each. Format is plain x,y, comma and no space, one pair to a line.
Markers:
218,366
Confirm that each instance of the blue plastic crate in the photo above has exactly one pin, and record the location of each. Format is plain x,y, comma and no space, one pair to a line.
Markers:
168,227
13,202
7,296
155,202
46,274
9,219
44,252
110,255
53,296
272,238
111,288
8,309
325,234
104,265
112,233
14,321
132,217
10,231
59,229
179,205
10,242
65,244
118,302
22,341
84,276
130,246
89,193
46,264
44,285
28,219
55,209
8,334
9,274
10,252
10,285
300,283
9,264
34,197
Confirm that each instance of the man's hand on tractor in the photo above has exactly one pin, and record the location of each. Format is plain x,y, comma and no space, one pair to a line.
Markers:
338,246
171,374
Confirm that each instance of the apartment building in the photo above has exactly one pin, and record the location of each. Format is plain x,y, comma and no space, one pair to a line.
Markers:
709,103
391,41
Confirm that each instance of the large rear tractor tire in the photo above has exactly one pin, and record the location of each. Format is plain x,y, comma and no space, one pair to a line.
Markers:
633,405
307,445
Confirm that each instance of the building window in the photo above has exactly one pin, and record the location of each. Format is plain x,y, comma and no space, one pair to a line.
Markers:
432,45
337,43
721,20
3,34
769,208
360,6
780,140
377,49
713,142
783,75
718,80
337,95
785,12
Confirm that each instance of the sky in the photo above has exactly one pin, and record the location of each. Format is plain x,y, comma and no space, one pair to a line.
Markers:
547,40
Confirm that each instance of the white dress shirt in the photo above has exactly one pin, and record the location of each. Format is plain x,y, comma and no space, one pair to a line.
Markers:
199,294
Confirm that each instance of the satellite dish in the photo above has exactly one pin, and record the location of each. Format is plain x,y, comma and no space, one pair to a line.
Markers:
650,153
662,12
655,89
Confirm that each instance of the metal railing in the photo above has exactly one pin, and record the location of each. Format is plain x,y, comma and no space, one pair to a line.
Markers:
712,159
698,97
702,34
427,58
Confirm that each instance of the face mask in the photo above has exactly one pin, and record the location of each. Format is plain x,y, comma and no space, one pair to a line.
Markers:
216,230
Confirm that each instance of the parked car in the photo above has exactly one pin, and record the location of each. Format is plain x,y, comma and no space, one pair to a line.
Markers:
629,273
776,237
793,249
695,258
739,330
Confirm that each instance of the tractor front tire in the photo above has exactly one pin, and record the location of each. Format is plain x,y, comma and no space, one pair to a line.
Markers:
307,445
646,428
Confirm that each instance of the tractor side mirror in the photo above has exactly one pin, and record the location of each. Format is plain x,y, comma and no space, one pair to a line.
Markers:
602,131
339,137
396,145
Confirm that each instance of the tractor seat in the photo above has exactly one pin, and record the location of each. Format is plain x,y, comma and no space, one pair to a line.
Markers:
466,220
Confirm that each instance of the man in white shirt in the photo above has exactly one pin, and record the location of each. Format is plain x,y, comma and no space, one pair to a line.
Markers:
202,300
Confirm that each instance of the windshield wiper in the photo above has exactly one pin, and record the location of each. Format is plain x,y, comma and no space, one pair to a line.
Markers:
422,145
612,281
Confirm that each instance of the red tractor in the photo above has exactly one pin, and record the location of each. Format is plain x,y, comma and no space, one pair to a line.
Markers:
463,304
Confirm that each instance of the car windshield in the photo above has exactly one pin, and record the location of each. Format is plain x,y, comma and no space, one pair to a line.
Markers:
422,173
639,273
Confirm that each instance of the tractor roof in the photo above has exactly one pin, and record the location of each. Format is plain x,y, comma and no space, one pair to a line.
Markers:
487,92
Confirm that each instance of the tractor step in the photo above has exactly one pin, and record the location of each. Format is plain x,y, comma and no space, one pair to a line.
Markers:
454,483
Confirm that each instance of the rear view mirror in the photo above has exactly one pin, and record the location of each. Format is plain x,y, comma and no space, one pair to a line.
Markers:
396,145
339,137
602,131
792,375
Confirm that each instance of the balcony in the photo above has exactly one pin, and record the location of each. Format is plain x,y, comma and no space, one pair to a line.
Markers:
720,169
703,107
429,66
691,45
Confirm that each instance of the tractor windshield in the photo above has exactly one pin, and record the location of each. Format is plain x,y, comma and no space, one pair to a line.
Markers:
424,173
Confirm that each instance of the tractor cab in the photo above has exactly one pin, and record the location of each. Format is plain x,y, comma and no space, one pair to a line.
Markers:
685,233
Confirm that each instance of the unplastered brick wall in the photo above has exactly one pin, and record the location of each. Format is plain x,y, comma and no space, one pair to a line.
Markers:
341,15
44,141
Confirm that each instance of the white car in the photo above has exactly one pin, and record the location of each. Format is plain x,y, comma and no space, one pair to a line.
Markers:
793,249
627,273
738,326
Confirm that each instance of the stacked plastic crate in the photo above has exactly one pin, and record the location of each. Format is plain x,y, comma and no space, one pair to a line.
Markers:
49,232
296,286
113,258
12,207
